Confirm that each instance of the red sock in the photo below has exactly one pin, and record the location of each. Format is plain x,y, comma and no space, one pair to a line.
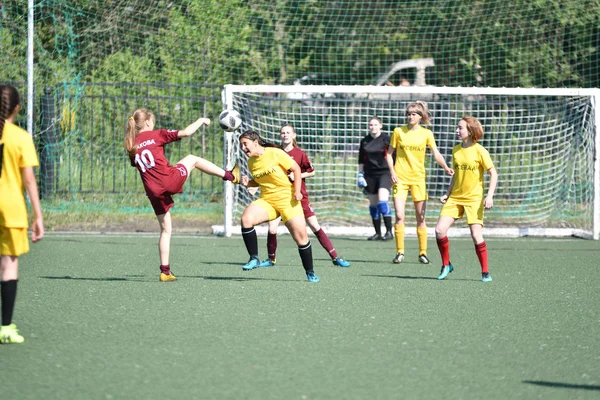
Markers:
326,243
166,269
444,247
481,250
228,176
271,245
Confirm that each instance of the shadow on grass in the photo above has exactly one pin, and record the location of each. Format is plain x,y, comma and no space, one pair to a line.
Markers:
431,278
401,277
236,264
133,278
235,278
141,278
563,385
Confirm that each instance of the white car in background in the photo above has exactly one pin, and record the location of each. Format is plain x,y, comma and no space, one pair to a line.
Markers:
397,75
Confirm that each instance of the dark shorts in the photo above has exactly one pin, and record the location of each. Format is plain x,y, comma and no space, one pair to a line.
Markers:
163,202
378,181
307,208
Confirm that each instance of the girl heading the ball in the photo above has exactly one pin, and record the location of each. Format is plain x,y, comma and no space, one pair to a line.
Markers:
270,167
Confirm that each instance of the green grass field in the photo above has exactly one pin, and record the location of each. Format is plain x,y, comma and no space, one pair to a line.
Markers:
99,325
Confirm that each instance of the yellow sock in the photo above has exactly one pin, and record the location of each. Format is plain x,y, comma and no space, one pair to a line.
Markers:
399,234
422,236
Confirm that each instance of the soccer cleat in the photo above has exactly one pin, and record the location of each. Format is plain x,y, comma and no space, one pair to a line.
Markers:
398,259
312,277
376,236
10,334
388,236
446,269
486,277
167,278
423,259
267,263
340,262
236,174
253,263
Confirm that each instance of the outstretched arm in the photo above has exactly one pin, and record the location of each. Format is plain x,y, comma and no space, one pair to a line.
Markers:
192,128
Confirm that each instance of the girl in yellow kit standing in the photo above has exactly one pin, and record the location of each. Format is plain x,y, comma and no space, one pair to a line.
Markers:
408,174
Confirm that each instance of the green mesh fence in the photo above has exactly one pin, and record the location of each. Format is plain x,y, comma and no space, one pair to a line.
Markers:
98,60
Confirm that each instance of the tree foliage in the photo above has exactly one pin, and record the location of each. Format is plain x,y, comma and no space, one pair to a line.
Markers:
543,43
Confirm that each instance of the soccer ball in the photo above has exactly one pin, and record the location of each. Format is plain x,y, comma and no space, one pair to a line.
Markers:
230,120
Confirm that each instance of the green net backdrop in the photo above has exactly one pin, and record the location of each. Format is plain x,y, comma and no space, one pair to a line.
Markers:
96,61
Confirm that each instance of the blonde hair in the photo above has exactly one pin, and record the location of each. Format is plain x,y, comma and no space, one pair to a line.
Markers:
420,107
294,143
135,123
474,127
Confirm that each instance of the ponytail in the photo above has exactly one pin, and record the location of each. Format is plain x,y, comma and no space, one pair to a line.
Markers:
9,100
135,123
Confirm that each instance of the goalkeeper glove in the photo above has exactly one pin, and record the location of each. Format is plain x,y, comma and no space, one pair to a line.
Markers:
361,181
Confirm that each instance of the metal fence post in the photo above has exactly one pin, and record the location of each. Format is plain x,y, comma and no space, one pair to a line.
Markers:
48,143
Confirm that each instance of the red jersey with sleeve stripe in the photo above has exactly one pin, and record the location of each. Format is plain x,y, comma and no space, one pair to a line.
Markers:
150,160
303,162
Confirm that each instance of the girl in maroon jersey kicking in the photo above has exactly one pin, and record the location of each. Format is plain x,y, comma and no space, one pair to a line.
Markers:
161,180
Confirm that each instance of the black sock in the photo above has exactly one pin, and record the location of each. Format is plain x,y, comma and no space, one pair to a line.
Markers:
388,223
306,256
377,226
251,241
8,292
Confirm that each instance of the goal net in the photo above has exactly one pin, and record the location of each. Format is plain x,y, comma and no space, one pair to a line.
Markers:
543,143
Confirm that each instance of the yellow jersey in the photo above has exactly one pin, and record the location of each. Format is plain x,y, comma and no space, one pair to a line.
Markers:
270,172
469,166
19,152
410,145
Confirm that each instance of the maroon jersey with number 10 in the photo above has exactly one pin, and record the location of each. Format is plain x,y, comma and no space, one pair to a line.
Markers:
158,176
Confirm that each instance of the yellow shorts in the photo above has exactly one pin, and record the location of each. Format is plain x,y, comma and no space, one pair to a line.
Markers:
283,206
456,210
13,241
418,191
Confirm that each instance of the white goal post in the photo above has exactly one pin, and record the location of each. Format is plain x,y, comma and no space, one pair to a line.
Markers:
544,143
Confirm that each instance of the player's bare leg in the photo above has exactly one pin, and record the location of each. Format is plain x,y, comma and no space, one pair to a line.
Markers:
192,162
164,246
